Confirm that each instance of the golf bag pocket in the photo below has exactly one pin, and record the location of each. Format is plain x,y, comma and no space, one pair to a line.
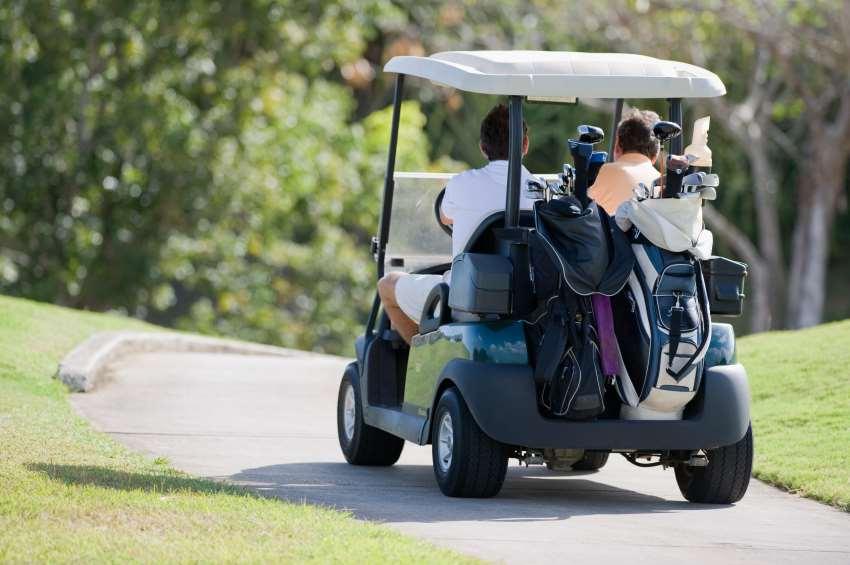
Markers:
567,369
675,298
663,328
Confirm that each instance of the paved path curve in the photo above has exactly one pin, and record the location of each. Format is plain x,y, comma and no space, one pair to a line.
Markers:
269,423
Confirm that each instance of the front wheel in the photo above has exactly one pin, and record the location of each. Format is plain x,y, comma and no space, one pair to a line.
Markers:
361,443
467,462
726,477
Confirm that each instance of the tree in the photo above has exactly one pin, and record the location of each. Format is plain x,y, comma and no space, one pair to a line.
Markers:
795,109
801,55
217,166
188,162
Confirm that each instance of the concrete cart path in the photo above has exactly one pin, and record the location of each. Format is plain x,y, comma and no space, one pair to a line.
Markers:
269,423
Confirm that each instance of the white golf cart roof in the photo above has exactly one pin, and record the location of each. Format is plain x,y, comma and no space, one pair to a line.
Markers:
561,74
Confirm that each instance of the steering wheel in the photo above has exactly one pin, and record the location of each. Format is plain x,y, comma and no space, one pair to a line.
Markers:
437,205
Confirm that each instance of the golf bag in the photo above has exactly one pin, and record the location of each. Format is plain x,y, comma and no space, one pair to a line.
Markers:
662,318
663,325
575,252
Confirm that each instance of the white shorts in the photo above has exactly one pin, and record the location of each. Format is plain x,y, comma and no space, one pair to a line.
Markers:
411,291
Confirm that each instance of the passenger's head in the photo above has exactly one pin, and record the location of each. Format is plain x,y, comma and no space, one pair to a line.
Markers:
494,134
634,134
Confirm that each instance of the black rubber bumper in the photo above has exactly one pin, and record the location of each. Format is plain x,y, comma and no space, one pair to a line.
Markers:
502,398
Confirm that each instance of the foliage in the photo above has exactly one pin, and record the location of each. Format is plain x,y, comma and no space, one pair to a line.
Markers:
218,166
191,163
287,260
801,408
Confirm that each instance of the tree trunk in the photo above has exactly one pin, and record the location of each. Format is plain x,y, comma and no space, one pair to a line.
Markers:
818,190
808,265
760,287
770,238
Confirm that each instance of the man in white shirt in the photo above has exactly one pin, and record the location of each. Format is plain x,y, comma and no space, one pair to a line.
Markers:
470,197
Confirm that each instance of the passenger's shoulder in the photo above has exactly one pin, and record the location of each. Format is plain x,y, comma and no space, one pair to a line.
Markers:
610,171
602,174
463,178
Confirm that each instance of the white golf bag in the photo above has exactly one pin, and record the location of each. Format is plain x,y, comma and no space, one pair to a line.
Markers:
662,317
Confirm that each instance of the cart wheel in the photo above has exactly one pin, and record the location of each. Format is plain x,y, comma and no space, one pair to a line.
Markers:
467,462
591,461
361,443
726,477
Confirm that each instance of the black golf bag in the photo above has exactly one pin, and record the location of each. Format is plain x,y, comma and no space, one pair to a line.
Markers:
575,252
663,326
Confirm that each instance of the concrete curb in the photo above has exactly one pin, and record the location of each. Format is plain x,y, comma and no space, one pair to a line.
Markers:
85,365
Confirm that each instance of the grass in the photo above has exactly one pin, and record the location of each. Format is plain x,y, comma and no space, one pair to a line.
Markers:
801,409
68,493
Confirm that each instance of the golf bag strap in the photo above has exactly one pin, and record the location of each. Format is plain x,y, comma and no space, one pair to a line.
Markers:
676,313
603,316
706,333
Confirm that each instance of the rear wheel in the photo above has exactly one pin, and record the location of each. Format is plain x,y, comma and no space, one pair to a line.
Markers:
361,443
591,461
726,477
467,462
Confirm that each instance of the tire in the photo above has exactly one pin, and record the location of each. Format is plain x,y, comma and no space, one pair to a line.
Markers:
591,461
726,477
361,443
467,462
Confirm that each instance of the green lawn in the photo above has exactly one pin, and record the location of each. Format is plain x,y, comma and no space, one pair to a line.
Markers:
68,493
801,409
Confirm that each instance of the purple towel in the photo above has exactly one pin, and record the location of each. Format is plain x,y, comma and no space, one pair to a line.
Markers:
605,330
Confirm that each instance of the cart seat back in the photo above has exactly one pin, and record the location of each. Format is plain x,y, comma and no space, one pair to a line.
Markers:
483,239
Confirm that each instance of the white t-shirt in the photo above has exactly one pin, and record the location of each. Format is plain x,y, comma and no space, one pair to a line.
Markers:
473,195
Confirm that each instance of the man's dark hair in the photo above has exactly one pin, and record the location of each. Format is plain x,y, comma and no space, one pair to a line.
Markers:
494,133
634,133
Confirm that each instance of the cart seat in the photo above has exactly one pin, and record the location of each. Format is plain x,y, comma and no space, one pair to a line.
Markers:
483,239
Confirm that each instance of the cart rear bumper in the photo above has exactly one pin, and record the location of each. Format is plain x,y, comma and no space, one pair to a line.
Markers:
503,400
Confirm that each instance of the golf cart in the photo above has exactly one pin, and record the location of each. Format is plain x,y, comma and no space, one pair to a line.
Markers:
467,383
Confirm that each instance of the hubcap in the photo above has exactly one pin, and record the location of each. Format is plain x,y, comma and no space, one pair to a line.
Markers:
349,412
445,442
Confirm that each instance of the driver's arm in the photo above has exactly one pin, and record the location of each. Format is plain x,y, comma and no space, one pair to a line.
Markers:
447,200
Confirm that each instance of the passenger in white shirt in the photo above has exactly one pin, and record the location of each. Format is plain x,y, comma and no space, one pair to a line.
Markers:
470,197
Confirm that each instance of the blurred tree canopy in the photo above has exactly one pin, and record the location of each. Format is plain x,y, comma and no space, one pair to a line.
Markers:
191,163
217,166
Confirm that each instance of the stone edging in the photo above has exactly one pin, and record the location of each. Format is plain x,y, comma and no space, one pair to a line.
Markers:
81,369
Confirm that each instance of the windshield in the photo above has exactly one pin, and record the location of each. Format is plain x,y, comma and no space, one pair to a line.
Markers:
416,241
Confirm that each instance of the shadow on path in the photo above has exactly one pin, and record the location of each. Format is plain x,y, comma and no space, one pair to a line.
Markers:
408,493
160,482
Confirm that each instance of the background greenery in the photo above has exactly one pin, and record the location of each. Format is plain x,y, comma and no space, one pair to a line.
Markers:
217,166
800,408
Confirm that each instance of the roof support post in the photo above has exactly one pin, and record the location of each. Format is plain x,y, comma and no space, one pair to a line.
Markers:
618,115
676,144
389,181
379,244
515,137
